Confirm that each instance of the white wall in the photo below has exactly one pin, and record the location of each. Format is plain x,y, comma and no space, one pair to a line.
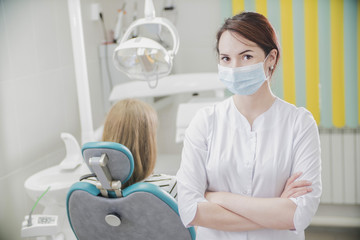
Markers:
38,97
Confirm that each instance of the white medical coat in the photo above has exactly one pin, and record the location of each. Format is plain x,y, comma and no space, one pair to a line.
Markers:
222,152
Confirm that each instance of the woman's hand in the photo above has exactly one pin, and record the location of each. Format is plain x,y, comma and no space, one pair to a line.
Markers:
296,189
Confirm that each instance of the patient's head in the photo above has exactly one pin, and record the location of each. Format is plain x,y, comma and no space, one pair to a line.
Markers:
133,123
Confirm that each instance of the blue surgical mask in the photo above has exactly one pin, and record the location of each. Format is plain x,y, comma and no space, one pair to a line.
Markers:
243,80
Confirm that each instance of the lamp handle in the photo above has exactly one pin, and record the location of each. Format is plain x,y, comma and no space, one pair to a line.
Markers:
149,11
160,21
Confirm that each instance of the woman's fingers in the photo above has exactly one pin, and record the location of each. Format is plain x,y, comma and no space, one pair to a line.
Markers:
292,178
301,192
301,183
296,192
295,188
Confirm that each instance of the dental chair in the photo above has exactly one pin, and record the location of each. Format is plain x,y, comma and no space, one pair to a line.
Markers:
102,210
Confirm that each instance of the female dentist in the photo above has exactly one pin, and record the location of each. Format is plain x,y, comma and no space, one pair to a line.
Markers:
251,166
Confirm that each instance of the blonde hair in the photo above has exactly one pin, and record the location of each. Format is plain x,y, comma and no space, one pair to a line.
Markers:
133,123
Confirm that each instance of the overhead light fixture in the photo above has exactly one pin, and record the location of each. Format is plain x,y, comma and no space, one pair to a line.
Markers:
142,58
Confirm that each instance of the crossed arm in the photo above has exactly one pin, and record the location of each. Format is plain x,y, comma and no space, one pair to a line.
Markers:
233,212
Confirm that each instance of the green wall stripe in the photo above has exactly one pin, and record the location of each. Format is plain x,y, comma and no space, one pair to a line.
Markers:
325,63
273,9
250,5
299,51
350,55
226,10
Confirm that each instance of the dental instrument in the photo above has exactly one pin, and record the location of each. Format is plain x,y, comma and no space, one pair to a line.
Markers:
39,225
36,203
119,23
143,58
43,225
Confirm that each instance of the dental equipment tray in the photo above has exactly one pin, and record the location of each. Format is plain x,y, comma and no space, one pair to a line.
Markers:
41,225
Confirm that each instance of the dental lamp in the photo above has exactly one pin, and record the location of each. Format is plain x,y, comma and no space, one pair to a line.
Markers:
143,58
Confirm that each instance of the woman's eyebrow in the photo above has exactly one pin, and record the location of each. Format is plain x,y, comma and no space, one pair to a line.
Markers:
248,50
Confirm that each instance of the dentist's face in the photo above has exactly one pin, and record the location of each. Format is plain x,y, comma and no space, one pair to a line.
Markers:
236,51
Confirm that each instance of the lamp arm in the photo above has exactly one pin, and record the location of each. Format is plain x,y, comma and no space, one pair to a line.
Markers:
159,21
149,10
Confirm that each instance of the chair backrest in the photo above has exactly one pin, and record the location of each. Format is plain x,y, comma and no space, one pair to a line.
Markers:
141,211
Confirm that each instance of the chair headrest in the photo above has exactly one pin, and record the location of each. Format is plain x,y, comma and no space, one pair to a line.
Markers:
119,163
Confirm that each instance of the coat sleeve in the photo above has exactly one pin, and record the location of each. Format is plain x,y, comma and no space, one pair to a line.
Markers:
307,159
191,177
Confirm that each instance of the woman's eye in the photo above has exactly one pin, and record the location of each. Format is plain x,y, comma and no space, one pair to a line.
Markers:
247,57
225,59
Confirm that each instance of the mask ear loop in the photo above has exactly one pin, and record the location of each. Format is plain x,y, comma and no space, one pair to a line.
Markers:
271,68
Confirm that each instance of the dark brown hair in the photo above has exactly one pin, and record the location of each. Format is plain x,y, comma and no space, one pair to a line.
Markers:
255,28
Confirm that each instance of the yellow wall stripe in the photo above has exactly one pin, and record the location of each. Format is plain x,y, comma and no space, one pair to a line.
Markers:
312,58
237,6
261,7
358,53
337,62
287,41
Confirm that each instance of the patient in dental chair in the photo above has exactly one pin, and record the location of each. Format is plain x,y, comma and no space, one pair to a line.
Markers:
133,123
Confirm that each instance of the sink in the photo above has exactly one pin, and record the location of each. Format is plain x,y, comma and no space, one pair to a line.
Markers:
59,180
59,177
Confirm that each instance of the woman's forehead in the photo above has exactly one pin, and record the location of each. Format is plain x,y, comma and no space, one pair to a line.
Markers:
229,40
